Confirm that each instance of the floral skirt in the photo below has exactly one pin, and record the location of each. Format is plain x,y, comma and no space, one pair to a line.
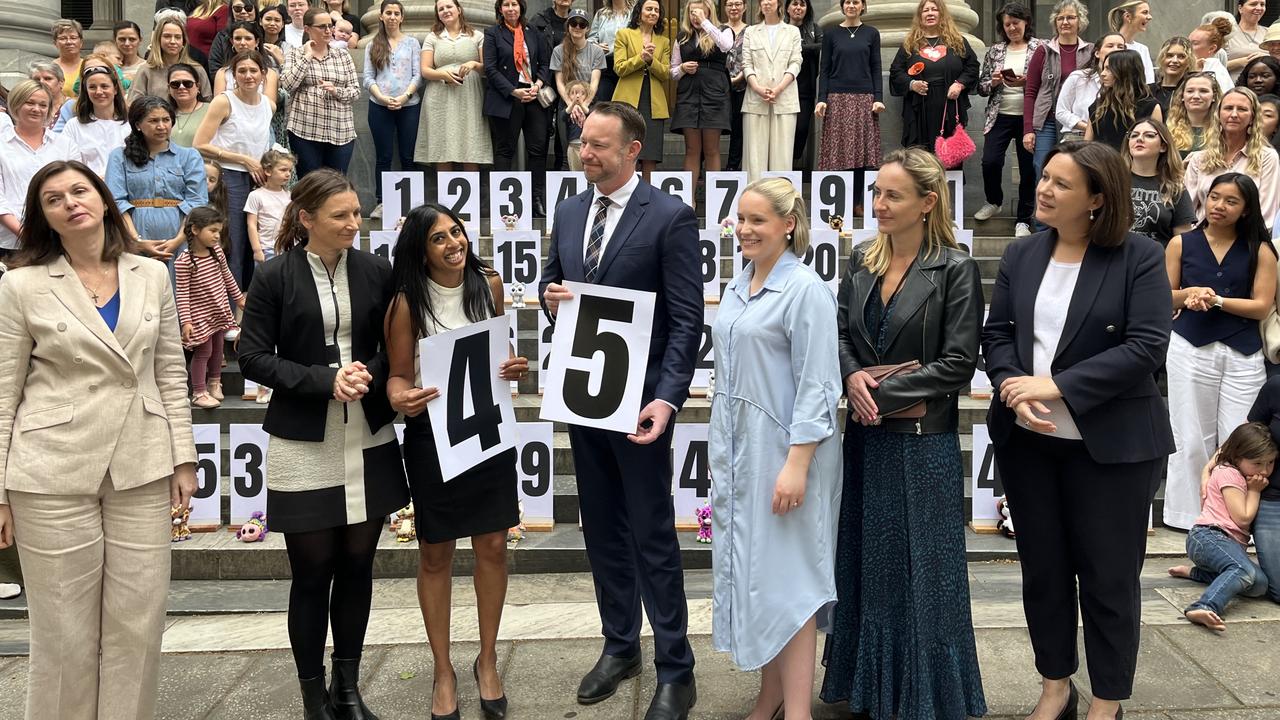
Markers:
850,133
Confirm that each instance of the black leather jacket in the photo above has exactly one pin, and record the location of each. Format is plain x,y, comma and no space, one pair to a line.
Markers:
937,320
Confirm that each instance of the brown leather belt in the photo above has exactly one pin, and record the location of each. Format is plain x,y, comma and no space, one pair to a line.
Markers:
155,203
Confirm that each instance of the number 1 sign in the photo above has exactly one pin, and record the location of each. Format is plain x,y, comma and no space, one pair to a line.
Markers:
601,346
474,408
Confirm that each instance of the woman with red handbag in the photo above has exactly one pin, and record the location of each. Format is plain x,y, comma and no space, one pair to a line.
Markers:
910,313
934,72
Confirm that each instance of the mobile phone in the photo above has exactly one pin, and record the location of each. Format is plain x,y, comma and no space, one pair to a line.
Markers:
1009,74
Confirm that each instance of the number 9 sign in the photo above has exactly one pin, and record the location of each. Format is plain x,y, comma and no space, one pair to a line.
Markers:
831,193
534,463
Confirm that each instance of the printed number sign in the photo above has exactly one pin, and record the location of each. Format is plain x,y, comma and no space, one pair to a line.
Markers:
723,190
383,243
986,481
709,263
460,192
955,187
823,256
513,317
248,471
536,471
692,482
206,502
678,183
706,360
510,193
980,385
401,192
517,255
545,330
474,406
831,193
561,186
795,176
601,346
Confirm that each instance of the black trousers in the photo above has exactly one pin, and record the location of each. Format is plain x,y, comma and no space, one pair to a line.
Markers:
531,119
734,162
1081,524
804,121
1008,128
628,523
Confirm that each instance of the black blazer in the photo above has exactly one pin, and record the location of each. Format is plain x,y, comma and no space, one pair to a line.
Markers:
937,320
500,66
653,248
283,344
1115,337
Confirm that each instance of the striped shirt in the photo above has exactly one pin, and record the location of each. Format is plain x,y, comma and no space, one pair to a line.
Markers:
314,114
204,284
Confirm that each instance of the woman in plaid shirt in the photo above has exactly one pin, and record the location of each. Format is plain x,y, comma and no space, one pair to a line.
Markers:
322,85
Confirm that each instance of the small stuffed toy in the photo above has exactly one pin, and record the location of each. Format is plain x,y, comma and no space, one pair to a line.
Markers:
704,523
403,524
516,534
517,295
180,515
1005,526
727,229
510,221
254,529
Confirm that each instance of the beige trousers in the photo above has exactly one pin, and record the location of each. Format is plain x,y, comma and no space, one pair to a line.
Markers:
97,573
768,142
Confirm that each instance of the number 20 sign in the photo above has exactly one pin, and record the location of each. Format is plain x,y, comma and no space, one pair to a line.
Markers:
601,348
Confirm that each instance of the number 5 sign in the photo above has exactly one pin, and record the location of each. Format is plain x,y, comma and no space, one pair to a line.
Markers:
601,347
472,419
206,502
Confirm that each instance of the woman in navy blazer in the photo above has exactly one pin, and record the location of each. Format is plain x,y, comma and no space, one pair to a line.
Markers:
1078,325
511,95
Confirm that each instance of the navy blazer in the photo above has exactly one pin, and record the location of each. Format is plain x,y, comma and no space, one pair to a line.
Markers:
1114,339
500,66
653,248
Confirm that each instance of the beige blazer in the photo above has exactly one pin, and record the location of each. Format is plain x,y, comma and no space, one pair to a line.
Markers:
769,63
78,401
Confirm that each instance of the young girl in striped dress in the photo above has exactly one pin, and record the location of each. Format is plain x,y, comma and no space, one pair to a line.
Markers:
204,284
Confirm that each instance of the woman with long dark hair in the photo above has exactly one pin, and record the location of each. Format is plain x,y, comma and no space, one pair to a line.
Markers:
440,286
221,50
800,13
1123,99
391,76
1161,204
1261,75
1080,89
313,334
577,59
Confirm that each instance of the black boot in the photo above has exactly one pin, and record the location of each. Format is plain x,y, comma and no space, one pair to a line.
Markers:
344,692
315,700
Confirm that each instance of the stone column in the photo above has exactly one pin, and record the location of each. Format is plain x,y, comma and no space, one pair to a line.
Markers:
25,36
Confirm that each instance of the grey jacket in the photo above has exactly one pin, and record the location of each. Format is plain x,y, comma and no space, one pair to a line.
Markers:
1042,97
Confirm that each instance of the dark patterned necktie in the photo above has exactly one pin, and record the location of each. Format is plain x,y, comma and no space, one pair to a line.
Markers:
595,240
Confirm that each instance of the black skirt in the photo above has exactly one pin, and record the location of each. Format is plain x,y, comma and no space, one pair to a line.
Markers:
702,100
481,500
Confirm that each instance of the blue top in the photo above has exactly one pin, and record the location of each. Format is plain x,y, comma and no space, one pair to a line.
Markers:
176,173
399,76
1230,279
111,311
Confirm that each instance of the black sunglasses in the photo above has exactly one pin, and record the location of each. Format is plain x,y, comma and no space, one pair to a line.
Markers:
181,84
578,23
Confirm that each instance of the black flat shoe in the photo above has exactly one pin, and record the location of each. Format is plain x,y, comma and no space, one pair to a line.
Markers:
455,715
492,709
672,701
603,679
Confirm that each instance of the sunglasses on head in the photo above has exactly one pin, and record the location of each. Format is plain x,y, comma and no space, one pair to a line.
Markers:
181,84
95,70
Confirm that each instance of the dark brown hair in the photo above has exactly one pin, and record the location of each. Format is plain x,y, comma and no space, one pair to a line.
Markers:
1106,175
40,244
631,120
1250,441
84,106
380,46
310,194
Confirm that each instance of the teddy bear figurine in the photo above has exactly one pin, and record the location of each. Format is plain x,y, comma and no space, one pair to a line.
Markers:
517,533
1005,526
704,523
180,515
403,524
254,529
510,222
727,229
517,295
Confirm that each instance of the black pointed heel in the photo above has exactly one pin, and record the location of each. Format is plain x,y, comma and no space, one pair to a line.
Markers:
492,709
455,715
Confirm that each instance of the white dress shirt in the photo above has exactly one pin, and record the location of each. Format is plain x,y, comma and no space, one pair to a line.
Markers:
619,199
18,164
1050,315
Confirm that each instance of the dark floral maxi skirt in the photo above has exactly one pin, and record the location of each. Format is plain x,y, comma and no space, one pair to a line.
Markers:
850,133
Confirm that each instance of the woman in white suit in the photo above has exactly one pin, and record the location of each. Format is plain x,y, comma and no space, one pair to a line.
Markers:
770,62
95,446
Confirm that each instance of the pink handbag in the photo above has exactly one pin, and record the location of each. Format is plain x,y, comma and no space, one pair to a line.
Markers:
953,151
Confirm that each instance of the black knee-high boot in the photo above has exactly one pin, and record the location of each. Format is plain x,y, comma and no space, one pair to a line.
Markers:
344,691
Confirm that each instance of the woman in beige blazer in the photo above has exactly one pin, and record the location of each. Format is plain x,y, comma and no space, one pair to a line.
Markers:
95,446
771,58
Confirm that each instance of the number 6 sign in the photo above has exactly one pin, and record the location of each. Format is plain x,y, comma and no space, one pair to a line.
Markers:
601,347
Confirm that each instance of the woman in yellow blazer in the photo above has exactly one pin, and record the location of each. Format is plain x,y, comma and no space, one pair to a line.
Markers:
770,62
642,59
95,446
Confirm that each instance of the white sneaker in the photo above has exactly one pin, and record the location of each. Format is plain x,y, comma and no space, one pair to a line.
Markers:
232,335
1021,230
377,212
986,212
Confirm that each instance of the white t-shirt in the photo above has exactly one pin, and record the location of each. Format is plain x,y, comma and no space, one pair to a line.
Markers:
294,36
1145,54
95,140
1011,97
1052,301
269,206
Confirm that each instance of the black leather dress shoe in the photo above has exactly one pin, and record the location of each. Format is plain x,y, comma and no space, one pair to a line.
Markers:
672,701
602,682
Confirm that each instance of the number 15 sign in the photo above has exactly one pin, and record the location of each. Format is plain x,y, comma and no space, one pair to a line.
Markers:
601,347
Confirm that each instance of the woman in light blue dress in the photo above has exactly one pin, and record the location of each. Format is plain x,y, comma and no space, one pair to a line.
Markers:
775,454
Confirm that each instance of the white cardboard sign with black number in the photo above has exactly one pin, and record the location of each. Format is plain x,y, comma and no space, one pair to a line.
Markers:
401,192
510,193
545,330
517,256
473,419
691,469
723,191
601,349
460,192
536,471
955,190
980,385
513,317
562,185
986,482
823,256
383,243
248,471
705,361
709,263
206,502
678,183
795,176
830,193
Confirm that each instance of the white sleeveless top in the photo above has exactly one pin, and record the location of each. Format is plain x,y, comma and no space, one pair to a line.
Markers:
450,314
246,131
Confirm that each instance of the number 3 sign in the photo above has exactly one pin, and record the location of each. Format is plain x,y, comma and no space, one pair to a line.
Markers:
601,347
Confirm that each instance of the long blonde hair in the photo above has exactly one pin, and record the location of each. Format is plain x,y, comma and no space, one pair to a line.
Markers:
1180,124
156,61
1169,169
785,200
947,29
939,232
1214,155
705,42
206,8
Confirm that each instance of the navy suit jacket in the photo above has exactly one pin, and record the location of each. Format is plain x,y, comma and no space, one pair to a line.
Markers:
1114,339
500,66
653,248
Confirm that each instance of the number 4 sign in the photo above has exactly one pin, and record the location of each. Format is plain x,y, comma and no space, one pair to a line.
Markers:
986,482
692,482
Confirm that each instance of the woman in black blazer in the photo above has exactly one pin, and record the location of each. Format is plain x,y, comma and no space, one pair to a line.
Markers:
515,76
1078,325
312,332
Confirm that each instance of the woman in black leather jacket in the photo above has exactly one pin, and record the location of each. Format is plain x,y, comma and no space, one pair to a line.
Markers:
908,295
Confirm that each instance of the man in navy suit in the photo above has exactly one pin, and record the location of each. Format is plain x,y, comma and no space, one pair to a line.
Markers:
625,233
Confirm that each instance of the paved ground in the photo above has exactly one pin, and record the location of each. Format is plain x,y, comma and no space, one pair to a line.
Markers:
223,662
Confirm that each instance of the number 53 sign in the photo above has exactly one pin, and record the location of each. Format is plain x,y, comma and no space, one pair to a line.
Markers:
601,347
